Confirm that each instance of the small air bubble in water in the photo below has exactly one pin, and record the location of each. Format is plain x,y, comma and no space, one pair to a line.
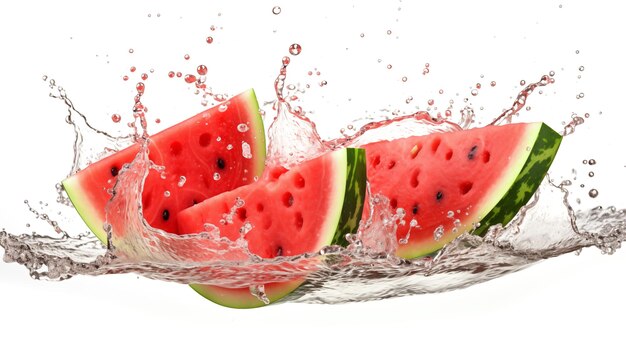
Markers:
242,127
295,49
116,118
276,10
593,193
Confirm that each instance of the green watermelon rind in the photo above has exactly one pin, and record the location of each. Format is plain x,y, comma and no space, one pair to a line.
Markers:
516,186
343,218
92,216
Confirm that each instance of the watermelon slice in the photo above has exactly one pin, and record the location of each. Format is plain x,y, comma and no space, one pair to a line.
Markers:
217,150
450,183
287,213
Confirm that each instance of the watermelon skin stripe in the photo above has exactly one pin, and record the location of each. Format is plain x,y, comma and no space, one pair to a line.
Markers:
354,197
528,180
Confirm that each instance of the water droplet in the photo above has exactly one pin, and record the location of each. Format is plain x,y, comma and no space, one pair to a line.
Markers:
592,162
522,82
44,77
222,108
141,88
202,70
181,181
438,233
216,176
431,102
116,118
242,127
144,76
157,121
190,78
409,99
209,40
581,68
450,214
440,91
362,35
286,60
577,52
493,83
229,147
593,193
295,49
167,193
404,79
186,56
474,92
389,32
528,108
171,74
133,68
130,51
389,66
323,83
478,86
448,113
591,174
276,10
245,150
125,78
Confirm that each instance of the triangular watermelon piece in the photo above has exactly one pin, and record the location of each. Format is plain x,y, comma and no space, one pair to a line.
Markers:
287,213
456,182
217,150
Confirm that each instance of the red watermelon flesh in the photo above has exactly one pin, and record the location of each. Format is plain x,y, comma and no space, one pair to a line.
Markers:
219,149
287,213
456,182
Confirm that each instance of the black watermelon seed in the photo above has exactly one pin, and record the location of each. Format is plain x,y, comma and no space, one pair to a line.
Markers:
114,171
415,209
472,153
221,164
165,215
439,196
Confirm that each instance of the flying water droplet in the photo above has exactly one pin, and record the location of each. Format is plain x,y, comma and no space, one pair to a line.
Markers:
276,10
295,49
593,193
438,233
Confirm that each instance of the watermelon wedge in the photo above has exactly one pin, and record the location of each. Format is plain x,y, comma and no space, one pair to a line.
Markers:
456,182
217,150
287,213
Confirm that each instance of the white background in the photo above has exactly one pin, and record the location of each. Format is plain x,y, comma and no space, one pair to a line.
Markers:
567,302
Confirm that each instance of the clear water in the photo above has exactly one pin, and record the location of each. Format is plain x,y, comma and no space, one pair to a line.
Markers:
558,221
